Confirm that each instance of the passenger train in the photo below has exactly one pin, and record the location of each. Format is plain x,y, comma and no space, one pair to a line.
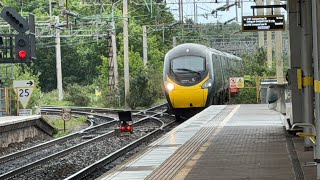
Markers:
196,76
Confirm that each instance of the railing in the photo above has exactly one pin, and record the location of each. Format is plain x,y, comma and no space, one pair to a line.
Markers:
312,136
255,83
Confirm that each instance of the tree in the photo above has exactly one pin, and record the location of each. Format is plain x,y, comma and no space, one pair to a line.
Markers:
85,60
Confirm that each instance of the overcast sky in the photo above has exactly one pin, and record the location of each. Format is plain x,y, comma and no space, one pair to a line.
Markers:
205,9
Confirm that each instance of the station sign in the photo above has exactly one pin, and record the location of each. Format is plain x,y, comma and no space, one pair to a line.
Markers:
263,23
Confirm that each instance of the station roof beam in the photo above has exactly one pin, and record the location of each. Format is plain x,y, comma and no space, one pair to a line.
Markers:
284,6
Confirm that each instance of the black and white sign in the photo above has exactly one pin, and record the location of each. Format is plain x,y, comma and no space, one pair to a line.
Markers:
23,83
24,95
66,116
25,112
263,23
24,89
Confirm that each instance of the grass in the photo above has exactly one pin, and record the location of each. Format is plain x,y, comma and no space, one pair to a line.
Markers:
51,98
71,125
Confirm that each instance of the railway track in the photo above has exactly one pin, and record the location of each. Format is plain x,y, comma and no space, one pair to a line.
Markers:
106,112
52,155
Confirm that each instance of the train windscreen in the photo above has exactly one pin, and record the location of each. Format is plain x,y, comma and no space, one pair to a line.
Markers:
187,64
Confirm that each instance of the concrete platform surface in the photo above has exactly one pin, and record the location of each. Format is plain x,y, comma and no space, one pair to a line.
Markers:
252,145
236,142
7,120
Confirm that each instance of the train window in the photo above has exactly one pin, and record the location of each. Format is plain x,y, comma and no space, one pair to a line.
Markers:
188,63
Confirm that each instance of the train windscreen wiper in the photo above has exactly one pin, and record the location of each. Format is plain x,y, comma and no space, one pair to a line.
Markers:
188,70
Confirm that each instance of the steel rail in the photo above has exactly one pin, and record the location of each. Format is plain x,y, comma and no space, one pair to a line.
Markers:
112,157
97,109
52,142
58,140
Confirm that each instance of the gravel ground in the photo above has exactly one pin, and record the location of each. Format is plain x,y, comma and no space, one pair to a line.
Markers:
78,159
29,142
124,158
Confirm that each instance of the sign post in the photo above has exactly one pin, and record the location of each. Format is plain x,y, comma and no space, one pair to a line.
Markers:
66,116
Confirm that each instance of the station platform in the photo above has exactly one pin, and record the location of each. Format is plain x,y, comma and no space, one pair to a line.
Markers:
7,120
222,142
15,129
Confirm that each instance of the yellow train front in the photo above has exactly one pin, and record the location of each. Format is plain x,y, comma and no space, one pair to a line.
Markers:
195,77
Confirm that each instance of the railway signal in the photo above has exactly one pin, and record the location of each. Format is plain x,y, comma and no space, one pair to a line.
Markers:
126,127
22,47
10,15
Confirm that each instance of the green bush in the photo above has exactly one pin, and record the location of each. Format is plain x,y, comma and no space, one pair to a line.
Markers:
145,86
51,98
244,96
111,99
78,95
143,93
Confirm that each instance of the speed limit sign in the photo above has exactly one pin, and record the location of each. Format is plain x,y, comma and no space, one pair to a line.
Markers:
24,95
66,116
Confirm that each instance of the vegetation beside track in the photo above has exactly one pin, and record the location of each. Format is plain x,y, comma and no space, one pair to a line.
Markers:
72,125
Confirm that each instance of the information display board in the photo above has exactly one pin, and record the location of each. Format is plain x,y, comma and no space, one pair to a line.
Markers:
263,23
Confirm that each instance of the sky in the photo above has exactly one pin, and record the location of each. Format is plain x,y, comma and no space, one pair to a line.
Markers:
205,7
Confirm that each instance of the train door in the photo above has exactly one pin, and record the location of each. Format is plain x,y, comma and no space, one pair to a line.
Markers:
223,74
217,78
227,69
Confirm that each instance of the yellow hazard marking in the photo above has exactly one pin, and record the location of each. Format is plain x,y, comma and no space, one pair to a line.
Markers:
307,81
240,83
317,86
299,78
312,137
192,162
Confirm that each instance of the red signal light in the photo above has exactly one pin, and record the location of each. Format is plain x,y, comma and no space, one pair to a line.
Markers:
22,54
123,128
129,128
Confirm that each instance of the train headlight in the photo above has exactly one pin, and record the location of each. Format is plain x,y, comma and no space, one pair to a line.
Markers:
169,86
207,84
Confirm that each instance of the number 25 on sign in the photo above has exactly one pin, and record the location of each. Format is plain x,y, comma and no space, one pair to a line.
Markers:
24,95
